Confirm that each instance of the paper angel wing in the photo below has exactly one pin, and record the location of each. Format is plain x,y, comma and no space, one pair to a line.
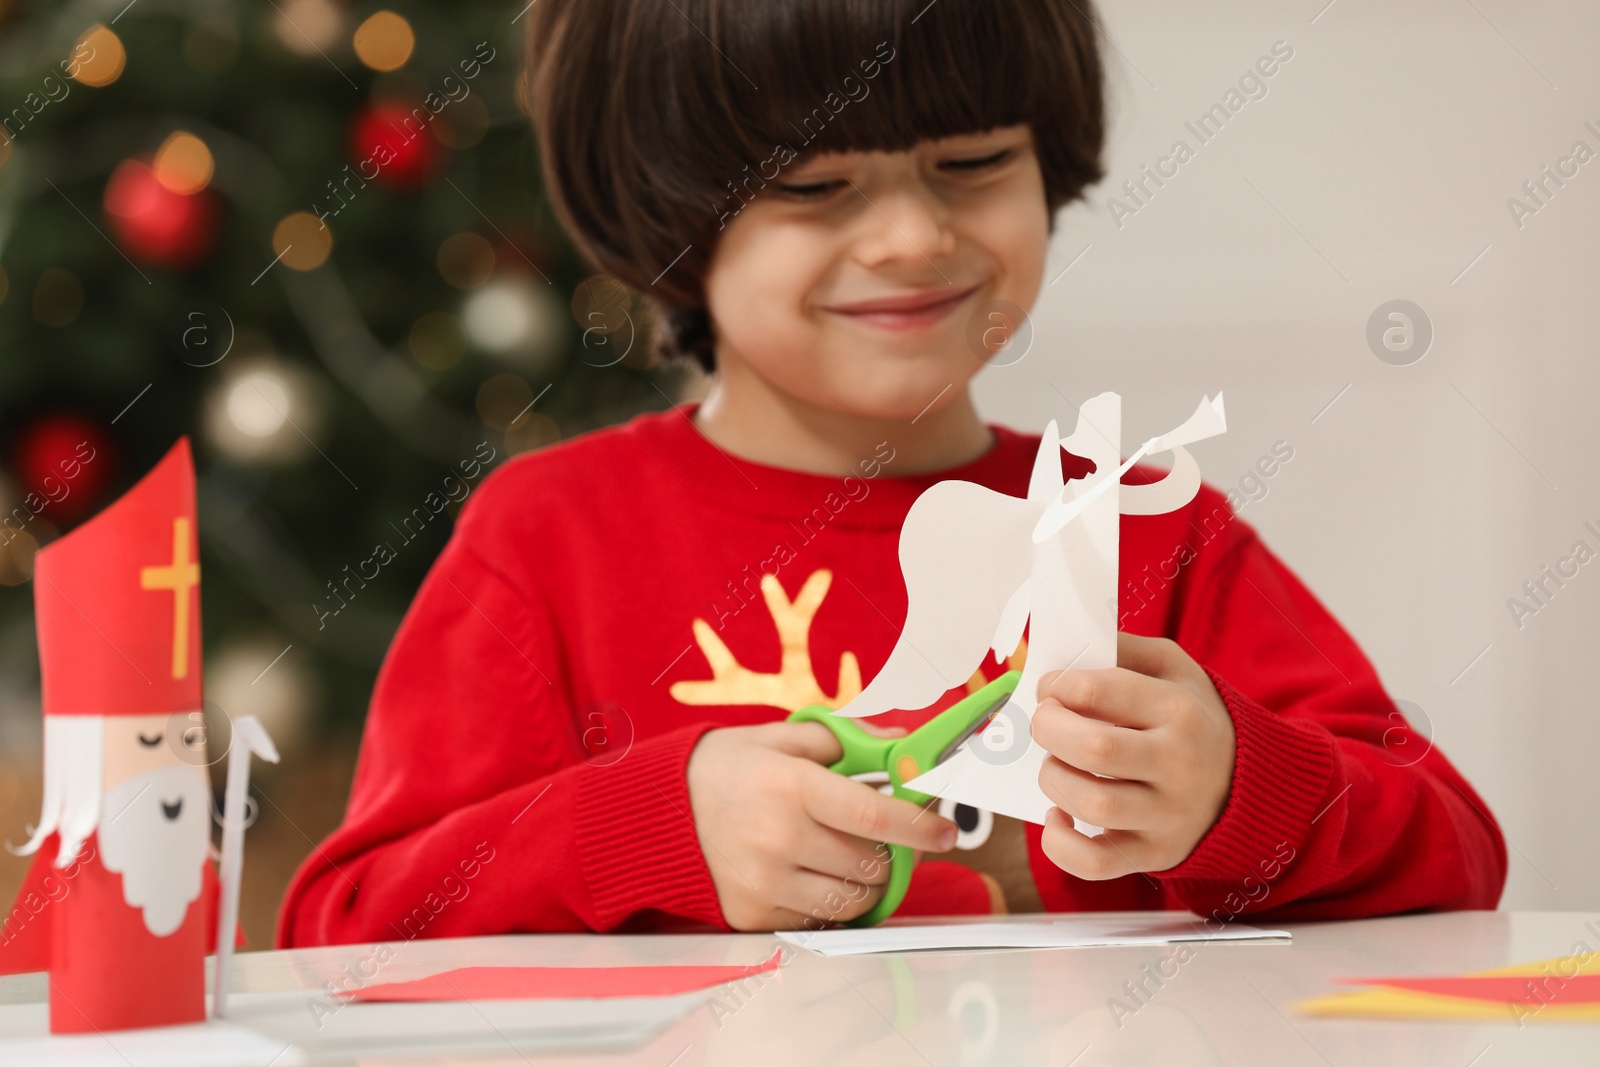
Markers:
964,552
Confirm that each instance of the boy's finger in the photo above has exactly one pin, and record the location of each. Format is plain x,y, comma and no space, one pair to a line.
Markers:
1094,859
1109,802
825,899
1112,694
862,811
808,740
828,851
1094,745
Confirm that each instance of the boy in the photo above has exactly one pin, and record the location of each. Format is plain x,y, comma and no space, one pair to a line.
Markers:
579,726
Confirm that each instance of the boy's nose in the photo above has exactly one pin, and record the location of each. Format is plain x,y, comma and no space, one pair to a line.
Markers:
905,222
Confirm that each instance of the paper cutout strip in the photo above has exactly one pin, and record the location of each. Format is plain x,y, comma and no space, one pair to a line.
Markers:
249,739
557,983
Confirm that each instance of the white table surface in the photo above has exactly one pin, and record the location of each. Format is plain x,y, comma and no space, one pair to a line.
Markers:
1227,1004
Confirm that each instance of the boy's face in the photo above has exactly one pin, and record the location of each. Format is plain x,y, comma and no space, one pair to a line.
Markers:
961,221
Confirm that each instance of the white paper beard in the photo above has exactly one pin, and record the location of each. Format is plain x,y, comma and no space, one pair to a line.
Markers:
155,831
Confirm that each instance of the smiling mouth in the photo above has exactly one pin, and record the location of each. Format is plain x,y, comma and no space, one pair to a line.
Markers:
173,810
909,313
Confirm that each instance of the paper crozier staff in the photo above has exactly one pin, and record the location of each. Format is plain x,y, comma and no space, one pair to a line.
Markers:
119,903
980,565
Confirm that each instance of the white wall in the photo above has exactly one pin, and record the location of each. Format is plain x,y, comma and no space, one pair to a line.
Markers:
1378,166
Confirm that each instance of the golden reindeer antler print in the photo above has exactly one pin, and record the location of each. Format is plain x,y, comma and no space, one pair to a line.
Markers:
794,686
1014,662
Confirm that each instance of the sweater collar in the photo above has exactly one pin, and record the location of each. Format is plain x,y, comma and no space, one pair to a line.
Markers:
868,496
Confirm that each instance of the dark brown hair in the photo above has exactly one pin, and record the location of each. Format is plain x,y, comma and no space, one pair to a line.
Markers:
657,119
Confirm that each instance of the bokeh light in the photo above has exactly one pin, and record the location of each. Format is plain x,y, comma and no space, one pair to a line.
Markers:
463,123
465,260
498,318
254,676
612,327
16,557
302,240
307,27
504,401
99,56
183,163
601,302
532,431
384,41
259,404
263,407
518,319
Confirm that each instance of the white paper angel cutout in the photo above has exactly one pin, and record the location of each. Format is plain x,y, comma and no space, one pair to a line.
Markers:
980,565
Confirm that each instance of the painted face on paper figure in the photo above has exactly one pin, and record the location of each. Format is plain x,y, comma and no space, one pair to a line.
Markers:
852,281
155,813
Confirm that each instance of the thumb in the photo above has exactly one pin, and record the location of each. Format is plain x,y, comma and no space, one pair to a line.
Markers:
1152,656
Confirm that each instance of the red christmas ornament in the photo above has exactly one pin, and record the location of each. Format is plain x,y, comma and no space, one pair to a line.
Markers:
155,225
394,146
63,463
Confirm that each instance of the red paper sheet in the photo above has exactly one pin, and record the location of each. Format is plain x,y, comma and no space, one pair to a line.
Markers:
1534,990
557,983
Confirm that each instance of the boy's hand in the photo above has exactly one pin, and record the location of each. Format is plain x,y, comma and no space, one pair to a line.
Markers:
1156,724
788,840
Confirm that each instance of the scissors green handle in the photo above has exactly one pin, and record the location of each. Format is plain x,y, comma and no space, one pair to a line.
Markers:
906,758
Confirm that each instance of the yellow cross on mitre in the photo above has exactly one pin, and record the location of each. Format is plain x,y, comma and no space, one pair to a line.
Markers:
180,576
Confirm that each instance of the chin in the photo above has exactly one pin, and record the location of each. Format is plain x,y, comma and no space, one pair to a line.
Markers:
895,385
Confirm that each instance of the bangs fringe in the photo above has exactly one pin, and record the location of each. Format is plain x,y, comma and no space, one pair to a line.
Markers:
962,66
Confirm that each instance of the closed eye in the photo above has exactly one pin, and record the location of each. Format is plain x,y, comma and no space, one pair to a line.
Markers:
978,162
150,742
821,190
811,190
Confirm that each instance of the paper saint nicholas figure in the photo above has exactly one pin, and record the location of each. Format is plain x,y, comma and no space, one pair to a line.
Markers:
980,565
120,902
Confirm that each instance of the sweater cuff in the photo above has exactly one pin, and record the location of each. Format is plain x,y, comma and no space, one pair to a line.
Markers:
636,835
1281,773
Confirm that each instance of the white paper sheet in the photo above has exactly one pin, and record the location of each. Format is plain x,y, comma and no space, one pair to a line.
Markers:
25,1039
451,1029
290,1029
1043,931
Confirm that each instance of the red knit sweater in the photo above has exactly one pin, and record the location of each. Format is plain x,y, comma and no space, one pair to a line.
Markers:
600,606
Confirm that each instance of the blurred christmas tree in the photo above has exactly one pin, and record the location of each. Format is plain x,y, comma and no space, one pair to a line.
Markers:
312,236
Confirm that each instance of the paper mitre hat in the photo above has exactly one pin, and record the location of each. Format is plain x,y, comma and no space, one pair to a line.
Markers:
117,602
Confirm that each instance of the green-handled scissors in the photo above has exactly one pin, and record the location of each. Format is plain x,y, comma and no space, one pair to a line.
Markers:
905,758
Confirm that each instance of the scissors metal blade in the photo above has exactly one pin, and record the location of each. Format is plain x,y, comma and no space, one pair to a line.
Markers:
978,724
